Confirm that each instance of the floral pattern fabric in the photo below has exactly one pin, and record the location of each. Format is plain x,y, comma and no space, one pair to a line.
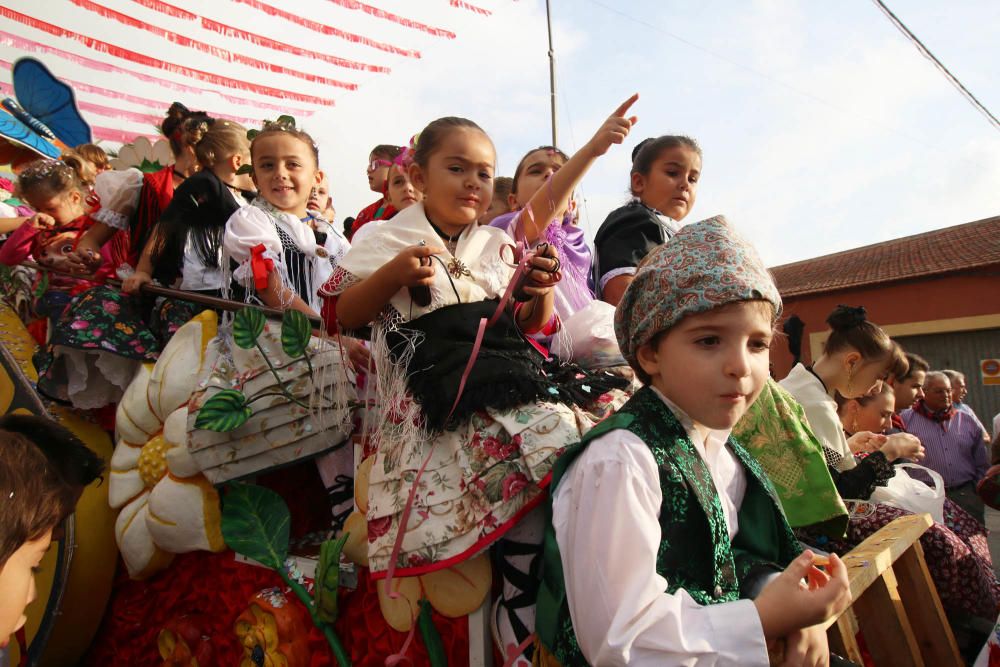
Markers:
481,478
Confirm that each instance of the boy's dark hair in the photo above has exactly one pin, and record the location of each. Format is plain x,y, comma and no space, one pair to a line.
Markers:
70,459
33,499
502,186
851,329
520,165
649,150
431,136
386,151
915,363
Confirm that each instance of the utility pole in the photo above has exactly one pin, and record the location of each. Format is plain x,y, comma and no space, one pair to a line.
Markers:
552,73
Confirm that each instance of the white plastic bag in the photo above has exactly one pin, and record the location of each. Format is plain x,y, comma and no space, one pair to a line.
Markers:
907,493
587,337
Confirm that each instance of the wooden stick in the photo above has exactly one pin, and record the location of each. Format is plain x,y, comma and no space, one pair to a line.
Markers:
184,295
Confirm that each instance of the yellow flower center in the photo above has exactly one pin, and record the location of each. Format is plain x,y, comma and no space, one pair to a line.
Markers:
152,463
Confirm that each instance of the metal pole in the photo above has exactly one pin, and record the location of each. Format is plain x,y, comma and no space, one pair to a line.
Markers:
552,73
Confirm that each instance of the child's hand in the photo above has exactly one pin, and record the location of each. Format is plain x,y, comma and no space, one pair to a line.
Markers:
544,272
86,256
807,648
133,284
788,603
615,128
866,441
42,221
358,354
413,266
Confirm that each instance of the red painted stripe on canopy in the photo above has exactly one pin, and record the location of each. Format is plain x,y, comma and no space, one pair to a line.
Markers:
153,105
258,39
471,8
10,39
148,61
354,5
204,47
120,136
323,29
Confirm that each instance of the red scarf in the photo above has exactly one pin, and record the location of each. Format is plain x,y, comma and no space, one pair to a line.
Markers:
939,416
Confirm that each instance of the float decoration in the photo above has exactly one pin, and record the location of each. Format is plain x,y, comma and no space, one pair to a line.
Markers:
255,523
268,397
270,632
142,155
167,505
182,643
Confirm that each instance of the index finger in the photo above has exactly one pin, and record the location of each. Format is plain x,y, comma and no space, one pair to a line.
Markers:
624,106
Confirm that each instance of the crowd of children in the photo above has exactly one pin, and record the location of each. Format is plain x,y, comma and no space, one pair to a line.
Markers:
638,508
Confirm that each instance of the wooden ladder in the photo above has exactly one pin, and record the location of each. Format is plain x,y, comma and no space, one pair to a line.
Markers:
895,605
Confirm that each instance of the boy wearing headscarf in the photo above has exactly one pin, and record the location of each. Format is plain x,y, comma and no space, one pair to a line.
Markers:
667,544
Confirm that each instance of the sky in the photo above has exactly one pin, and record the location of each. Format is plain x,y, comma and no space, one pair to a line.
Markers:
822,127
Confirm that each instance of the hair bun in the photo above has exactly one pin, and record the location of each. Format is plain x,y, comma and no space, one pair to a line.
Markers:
847,317
638,147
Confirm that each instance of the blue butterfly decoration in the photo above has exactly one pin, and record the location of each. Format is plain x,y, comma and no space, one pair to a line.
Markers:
44,111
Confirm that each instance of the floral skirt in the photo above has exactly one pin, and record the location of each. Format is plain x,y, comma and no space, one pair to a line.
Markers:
95,349
480,479
956,551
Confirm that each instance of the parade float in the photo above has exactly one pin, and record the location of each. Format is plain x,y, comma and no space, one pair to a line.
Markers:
211,539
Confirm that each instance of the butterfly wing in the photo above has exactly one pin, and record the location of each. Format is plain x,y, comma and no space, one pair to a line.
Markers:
49,100
20,144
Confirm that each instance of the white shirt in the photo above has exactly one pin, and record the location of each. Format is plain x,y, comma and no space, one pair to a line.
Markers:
821,412
606,516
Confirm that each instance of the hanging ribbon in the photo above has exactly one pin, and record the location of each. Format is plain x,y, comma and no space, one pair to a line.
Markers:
260,266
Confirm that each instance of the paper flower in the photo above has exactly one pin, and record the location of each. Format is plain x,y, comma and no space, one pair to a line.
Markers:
143,155
167,504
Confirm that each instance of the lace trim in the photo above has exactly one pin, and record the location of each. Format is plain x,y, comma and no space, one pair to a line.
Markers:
111,218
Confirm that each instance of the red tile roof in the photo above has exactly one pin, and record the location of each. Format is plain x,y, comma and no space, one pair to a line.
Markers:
958,248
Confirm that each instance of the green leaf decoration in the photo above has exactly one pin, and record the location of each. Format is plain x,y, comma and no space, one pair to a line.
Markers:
286,121
295,333
432,639
245,169
328,579
251,134
255,522
224,412
247,326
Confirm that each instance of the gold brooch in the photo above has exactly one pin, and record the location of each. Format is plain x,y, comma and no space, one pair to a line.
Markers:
457,268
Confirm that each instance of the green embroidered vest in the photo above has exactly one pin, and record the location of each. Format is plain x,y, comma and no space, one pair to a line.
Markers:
695,551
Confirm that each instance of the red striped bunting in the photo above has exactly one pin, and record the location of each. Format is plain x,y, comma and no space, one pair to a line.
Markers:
354,5
471,8
218,52
321,28
148,61
257,39
120,136
121,114
9,39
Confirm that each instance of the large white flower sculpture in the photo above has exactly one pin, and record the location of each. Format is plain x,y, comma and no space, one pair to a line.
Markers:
143,155
167,505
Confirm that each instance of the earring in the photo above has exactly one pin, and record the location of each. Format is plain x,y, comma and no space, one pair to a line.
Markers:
854,425
850,382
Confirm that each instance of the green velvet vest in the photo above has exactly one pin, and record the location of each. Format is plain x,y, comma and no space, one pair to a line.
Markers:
695,551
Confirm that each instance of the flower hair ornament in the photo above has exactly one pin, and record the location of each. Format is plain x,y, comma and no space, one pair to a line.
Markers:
284,123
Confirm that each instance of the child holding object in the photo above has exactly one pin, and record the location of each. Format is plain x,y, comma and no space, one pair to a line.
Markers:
664,531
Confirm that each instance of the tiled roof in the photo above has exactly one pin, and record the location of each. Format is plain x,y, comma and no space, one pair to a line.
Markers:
957,248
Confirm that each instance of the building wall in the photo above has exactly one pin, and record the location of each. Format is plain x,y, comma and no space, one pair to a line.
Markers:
933,305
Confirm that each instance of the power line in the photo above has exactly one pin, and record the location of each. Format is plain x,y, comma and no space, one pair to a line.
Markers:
937,63
768,77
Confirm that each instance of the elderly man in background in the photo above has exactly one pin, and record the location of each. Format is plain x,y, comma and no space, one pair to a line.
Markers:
959,390
953,442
